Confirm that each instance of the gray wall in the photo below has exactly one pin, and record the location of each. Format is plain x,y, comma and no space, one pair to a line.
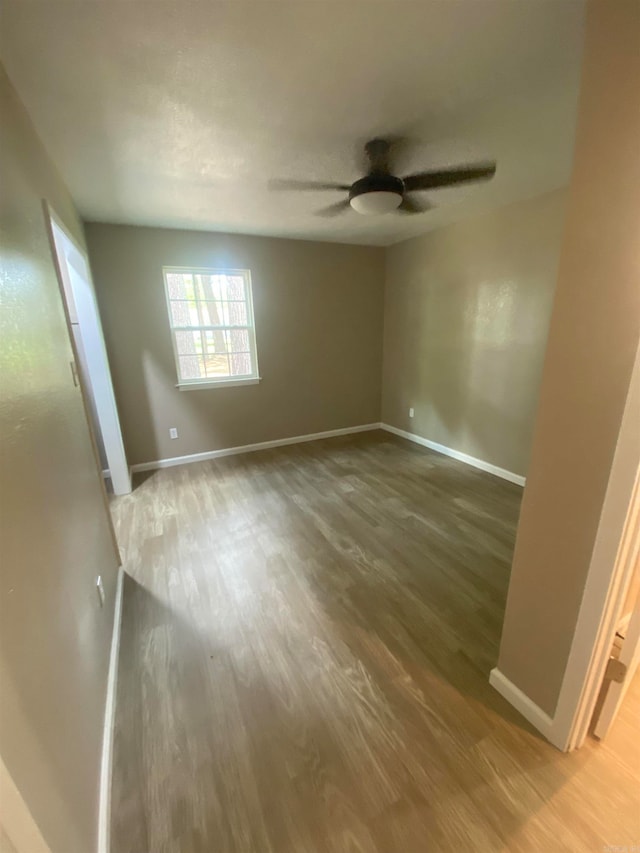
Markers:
593,338
318,312
467,312
54,637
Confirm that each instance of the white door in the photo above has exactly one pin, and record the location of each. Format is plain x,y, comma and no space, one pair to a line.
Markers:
628,664
622,668
87,332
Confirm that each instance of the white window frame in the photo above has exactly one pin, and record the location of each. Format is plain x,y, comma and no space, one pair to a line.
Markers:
207,382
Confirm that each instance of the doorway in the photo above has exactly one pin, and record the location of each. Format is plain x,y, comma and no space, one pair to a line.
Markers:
91,368
610,594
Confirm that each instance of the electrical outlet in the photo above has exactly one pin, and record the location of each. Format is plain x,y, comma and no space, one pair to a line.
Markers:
100,590
411,413
173,432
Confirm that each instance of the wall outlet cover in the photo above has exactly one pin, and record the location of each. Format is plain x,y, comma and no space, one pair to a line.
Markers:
411,413
173,432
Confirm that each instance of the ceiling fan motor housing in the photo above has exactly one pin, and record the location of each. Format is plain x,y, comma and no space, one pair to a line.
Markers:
376,193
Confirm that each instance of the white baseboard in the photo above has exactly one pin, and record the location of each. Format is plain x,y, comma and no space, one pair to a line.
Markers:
315,436
104,808
456,454
521,702
249,448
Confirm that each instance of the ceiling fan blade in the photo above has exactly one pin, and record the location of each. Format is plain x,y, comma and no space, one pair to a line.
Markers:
334,209
286,184
410,205
449,177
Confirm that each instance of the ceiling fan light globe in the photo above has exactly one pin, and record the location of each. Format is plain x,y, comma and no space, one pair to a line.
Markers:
376,203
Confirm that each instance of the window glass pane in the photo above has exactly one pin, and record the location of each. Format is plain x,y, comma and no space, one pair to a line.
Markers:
240,363
192,367
189,286
184,314
215,341
176,286
180,285
217,366
234,287
211,319
235,314
188,343
212,313
238,340
211,287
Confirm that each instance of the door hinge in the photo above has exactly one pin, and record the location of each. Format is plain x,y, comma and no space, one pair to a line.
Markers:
74,373
615,671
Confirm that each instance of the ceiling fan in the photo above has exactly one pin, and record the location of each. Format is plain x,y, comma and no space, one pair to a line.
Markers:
380,191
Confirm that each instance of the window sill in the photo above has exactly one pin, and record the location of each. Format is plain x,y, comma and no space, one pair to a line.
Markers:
220,383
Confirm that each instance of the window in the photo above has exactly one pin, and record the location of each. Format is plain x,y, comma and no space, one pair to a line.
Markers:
211,318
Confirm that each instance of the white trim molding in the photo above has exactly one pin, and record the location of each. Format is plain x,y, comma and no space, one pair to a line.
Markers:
170,462
104,807
250,448
518,479
522,703
80,304
219,383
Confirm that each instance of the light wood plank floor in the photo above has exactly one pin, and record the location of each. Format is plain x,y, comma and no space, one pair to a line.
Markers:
307,637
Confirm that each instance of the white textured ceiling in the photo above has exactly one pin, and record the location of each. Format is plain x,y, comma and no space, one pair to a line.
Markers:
179,113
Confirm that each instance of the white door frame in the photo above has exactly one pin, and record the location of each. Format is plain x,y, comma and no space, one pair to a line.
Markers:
606,587
81,306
